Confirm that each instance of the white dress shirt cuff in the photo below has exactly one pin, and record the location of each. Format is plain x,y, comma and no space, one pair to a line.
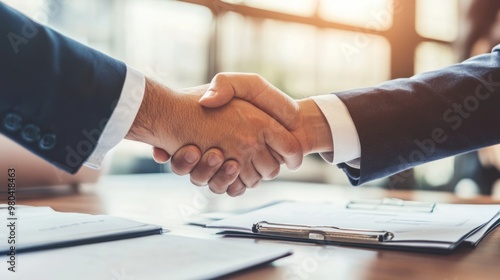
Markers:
122,117
346,145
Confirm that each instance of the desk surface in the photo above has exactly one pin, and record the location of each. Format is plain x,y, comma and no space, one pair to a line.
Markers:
168,200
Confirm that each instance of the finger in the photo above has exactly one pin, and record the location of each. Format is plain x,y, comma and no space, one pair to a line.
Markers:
210,162
225,176
249,175
185,159
226,86
160,155
266,165
277,156
284,143
237,188
220,91
254,89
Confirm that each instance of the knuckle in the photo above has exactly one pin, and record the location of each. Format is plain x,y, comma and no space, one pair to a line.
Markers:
258,77
236,188
220,77
274,173
293,149
254,182
197,183
237,192
250,147
177,169
241,192
231,170
216,187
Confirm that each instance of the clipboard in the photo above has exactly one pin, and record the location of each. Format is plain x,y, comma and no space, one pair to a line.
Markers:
419,226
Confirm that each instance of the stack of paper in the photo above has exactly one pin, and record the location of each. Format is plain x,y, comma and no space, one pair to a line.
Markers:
442,229
107,250
38,228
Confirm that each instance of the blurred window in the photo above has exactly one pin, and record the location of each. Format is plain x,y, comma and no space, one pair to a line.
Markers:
344,65
437,19
431,56
373,14
298,7
168,40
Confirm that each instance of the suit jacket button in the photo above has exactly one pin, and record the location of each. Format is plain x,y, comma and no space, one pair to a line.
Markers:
47,142
12,122
31,133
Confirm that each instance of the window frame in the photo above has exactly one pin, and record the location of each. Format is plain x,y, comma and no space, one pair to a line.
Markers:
402,52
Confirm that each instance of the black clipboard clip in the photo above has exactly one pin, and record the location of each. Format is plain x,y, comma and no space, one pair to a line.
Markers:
391,204
322,233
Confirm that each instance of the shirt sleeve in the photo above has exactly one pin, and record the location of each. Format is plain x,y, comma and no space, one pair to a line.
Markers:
347,147
122,117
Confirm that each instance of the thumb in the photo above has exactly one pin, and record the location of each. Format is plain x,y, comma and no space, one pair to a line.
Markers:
254,89
220,91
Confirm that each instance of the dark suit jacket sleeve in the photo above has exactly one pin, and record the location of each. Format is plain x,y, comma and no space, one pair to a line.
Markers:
407,122
56,94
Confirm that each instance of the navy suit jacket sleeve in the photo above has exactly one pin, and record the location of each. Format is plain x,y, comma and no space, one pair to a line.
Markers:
407,122
56,94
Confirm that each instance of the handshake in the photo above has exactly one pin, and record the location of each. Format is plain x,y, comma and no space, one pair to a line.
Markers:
230,134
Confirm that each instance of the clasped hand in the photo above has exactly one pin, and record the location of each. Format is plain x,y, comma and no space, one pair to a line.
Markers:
238,131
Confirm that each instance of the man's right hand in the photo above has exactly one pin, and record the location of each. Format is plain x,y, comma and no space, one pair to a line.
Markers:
170,120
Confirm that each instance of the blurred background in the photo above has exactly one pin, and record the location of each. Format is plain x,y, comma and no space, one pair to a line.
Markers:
304,47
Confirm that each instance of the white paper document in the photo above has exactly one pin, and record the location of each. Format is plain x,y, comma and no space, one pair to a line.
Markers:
154,257
43,228
443,228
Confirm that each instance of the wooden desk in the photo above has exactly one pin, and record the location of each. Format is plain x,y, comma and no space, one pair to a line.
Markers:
168,200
